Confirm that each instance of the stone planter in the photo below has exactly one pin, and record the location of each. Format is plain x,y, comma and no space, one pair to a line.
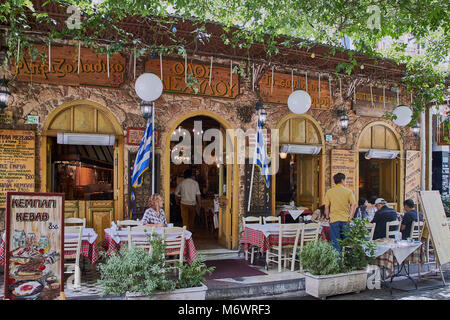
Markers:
195,293
330,285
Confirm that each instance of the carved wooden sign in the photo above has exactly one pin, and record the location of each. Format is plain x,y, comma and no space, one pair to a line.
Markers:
34,266
281,89
375,104
64,67
134,136
412,174
17,162
174,78
6,117
344,161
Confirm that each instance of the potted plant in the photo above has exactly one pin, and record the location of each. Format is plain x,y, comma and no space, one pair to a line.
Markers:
139,275
329,273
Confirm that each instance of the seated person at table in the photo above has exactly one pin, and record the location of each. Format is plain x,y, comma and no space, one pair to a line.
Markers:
361,211
408,218
383,215
319,214
154,216
371,209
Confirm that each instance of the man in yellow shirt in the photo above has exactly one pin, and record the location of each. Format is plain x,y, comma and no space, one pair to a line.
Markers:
340,206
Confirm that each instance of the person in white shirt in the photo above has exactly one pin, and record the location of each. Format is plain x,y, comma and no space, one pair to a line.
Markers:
188,192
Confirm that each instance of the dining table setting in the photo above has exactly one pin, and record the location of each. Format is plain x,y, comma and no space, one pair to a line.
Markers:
116,237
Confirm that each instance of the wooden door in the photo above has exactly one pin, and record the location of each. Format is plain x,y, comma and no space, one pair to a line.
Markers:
308,181
99,213
389,180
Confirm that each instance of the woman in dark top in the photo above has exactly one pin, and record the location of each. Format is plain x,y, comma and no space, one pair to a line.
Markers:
361,211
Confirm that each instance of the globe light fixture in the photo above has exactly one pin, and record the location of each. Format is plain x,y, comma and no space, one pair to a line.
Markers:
403,115
299,102
4,93
148,86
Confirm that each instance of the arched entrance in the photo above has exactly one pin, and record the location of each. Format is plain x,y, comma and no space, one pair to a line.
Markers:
301,175
377,176
89,173
225,183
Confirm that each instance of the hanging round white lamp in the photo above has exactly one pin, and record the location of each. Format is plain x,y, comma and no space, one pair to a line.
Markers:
403,115
148,86
299,102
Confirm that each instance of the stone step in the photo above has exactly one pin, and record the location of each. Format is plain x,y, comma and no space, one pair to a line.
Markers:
218,254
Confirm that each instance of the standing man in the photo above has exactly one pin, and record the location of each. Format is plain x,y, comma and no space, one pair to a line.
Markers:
410,216
383,215
340,206
189,193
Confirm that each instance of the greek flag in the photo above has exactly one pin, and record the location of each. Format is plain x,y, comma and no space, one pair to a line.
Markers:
261,154
142,162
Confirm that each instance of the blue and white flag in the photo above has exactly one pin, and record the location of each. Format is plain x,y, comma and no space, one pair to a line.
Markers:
261,154
142,162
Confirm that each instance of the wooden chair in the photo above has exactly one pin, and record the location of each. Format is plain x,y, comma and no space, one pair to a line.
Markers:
245,222
140,241
175,245
72,259
309,233
371,228
271,219
73,222
277,253
126,223
391,233
416,227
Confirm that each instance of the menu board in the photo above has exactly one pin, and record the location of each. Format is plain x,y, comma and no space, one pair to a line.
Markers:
344,161
17,161
412,174
34,266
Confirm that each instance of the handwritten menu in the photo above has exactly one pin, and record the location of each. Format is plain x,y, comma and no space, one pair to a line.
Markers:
17,162
412,175
34,246
344,161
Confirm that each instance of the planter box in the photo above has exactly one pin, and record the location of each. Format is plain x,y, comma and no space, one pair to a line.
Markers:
330,285
195,293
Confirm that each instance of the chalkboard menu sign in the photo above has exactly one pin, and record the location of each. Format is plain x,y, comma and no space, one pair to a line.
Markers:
344,161
34,266
17,162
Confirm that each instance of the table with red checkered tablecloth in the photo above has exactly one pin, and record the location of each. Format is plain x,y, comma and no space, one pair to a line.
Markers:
115,239
89,247
388,259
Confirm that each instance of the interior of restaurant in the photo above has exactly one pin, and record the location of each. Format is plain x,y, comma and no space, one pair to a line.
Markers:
82,172
207,176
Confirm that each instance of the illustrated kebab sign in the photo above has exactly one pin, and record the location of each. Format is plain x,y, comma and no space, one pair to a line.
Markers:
34,266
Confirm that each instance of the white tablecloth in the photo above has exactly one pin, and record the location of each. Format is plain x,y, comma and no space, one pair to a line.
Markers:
122,235
401,250
270,228
88,234
295,213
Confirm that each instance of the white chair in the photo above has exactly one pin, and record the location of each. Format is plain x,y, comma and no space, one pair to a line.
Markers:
416,228
309,233
245,222
271,219
75,222
371,228
277,253
391,233
175,244
126,223
72,246
140,240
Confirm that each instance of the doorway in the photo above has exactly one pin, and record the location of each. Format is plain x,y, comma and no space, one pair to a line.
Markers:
212,175
90,176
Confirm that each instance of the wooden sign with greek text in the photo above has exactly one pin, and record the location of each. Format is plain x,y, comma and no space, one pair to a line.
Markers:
17,162
222,85
375,104
281,89
344,161
34,266
64,67
134,136
6,117
412,175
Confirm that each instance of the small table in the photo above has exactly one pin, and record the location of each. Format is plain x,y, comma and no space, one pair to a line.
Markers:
291,216
114,239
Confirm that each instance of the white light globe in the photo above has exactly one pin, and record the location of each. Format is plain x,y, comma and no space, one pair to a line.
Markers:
148,86
299,102
404,115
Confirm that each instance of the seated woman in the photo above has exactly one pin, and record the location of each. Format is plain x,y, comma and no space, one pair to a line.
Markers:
361,210
318,214
154,216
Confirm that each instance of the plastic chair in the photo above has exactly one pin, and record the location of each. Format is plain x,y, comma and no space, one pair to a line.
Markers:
72,246
276,253
271,219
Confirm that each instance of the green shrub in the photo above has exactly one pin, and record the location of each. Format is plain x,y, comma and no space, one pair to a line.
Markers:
320,258
192,274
